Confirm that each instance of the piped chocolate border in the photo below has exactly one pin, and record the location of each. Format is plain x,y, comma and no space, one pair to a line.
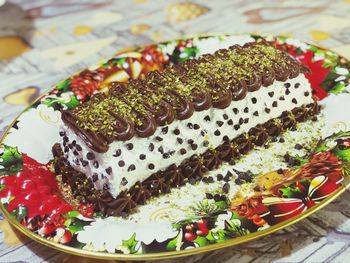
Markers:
192,168
213,80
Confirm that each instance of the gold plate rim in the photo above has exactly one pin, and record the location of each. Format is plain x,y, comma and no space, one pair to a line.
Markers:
170,254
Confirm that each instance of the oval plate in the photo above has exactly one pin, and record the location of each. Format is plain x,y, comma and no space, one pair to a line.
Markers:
275,187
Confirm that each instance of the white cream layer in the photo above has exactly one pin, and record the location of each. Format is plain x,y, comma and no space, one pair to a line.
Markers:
115,180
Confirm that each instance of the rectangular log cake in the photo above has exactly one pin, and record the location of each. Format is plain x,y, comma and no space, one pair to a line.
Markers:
144,137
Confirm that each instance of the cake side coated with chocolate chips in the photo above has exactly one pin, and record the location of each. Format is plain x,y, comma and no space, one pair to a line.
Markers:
136,130
191,170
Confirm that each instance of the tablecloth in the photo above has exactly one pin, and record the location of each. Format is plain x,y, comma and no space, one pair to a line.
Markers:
44,41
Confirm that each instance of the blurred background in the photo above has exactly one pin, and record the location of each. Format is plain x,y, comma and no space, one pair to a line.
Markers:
44,41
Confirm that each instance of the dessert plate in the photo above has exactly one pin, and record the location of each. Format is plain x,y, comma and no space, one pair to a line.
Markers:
274,186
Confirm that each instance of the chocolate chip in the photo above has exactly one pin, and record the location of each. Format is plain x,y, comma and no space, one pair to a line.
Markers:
159,139
241,121
287,85
217,197
205,180
274,139
190,125
62,133
217,133
176,131
196,126
129,146
246,110
190,141
192,181
65,139
84,163
226,188
117,153
298,146
297,85
246,120
142,156
76,161
230,122
70,146
282,98
209,196
274,104
219,177
267,110
226,138
74,142
151,147
109,170
131,168
257,188
239,181
210,179
161,149
94,177
105,187
203,132
227,178
124,181
314,118
256,113
294,100
219,123
166,155
254,100
95,164
151,166
271,93
306,93
225,116
90,155
280,171
194,147
75,152
183,151
165,130
207,118
287,92
206,143
235,110
78,147
180,140
281,140
236,127
121,163
172,152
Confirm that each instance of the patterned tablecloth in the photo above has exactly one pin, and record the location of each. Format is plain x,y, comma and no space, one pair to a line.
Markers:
44,41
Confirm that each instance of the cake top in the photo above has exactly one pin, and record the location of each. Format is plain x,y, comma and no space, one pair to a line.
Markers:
175,93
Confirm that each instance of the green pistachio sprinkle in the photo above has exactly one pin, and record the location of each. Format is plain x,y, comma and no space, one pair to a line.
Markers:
237,64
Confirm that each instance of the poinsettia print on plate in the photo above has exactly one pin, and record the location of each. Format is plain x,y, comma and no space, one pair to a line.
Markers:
270,185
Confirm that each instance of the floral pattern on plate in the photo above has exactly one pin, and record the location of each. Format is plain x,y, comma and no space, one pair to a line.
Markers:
32,196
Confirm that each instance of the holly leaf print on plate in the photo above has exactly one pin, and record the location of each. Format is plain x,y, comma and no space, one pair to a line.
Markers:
10,160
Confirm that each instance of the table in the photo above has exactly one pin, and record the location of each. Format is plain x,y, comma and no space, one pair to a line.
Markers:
42,42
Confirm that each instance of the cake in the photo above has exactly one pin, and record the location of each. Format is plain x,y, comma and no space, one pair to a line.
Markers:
140,139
